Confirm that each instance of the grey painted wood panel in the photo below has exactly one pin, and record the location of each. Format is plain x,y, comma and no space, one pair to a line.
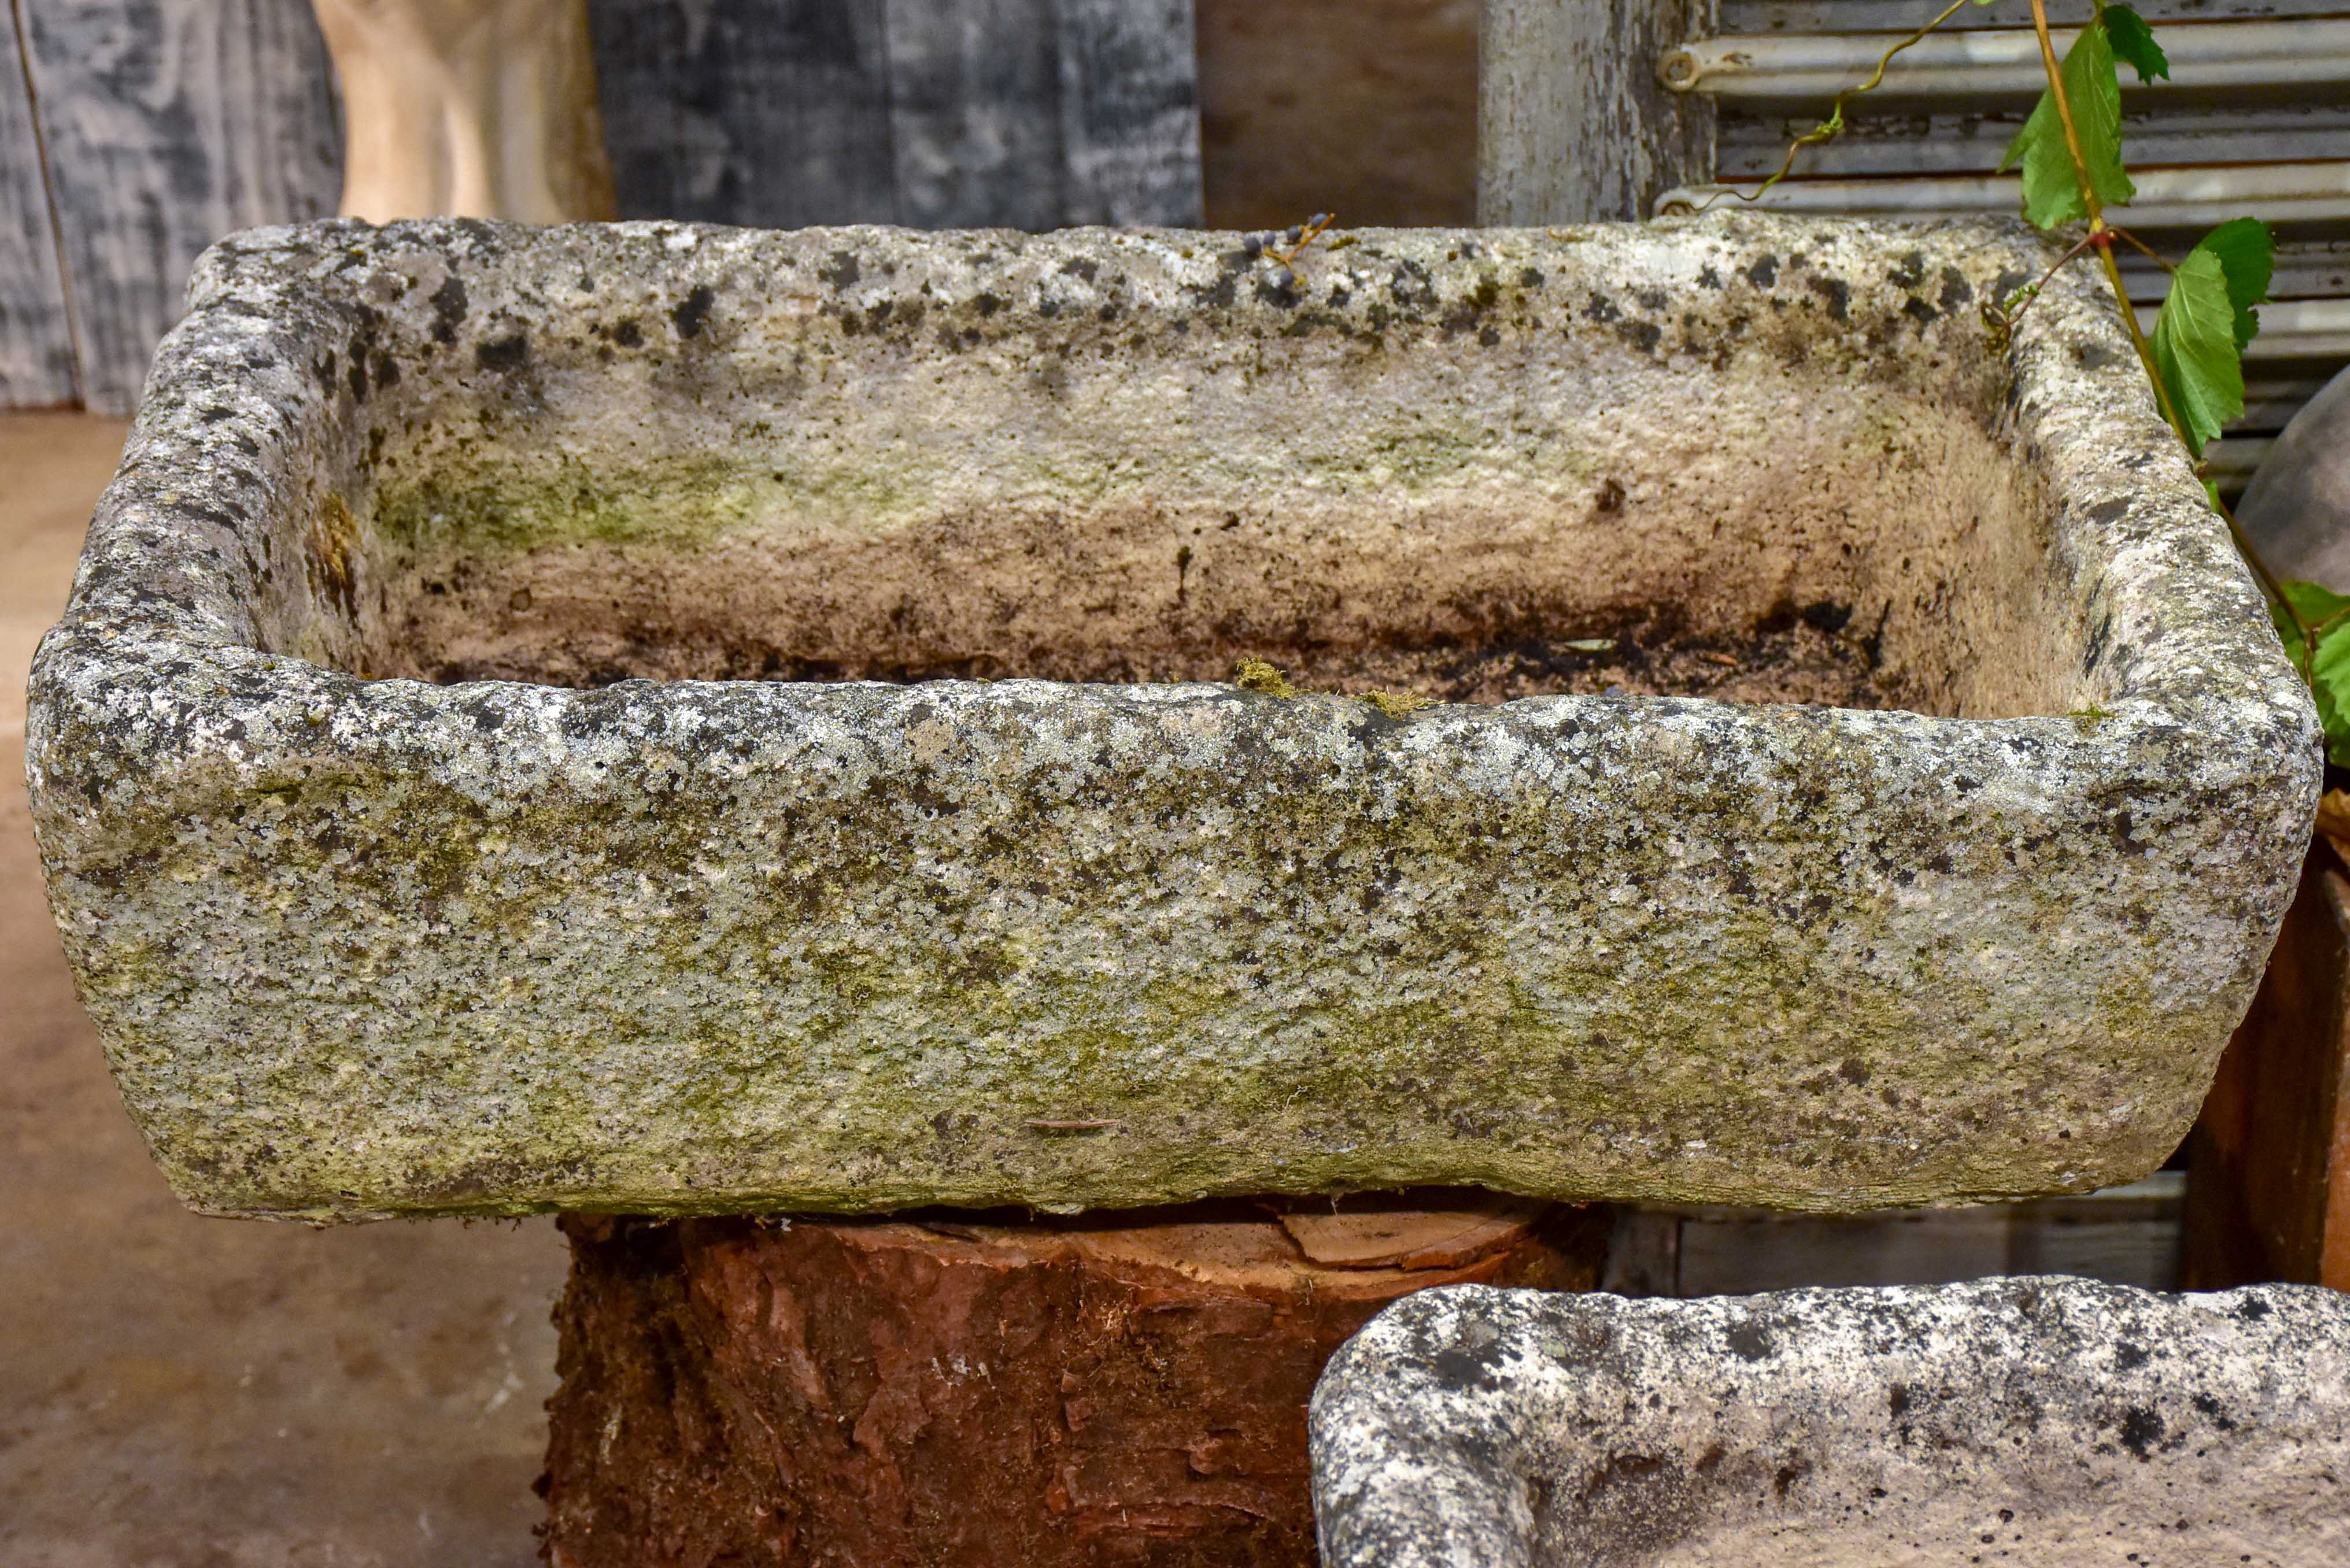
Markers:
1129,112
974,112
1572,124
170,122
933,113
167,124
36,360
768,114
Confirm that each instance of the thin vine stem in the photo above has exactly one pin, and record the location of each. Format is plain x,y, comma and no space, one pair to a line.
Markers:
2100,239
2147,251
1832,127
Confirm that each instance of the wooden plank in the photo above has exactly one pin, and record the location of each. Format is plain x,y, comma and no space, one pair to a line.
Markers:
1573,125
2268,1194
767,113
37,361
170,123
974,112
1366,108
1129,102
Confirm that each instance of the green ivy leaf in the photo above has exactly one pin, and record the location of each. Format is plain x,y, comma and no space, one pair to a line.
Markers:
2134,44
2052,193
2329,680
2195,350
2247,251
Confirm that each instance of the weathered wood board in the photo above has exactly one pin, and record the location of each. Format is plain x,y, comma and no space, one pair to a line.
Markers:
1028,114
37,361
169,123
1573,126
1129,106
766,113
2268,1191
974,119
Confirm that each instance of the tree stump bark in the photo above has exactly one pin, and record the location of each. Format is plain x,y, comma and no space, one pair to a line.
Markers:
1113,1390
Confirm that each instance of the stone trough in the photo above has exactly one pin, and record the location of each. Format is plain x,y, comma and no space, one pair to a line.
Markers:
674,720
2035,1422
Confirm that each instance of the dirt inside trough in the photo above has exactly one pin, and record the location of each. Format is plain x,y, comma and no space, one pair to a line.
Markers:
1809,654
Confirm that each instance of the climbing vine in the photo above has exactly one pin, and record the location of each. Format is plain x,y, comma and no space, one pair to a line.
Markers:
2069,156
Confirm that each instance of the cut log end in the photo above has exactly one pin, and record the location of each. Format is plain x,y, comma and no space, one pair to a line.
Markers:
936,1388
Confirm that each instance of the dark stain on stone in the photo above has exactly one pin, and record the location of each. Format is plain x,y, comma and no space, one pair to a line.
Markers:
694,310
1459,1368
503,355
447,309
1837,293
844,272
629,334
1764,271
1750,1341
2142,1428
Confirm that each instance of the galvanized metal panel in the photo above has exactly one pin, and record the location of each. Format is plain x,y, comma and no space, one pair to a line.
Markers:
2309,58
2313,193
1753,146
1762,16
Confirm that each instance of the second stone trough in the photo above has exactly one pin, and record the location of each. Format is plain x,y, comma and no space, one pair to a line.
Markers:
2035,1422
677,721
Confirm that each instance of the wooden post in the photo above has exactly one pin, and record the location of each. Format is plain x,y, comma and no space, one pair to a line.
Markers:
1573,126
2268,1166
1124,1388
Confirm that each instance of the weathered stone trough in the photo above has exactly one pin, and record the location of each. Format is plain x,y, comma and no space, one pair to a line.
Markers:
2035,1422
675,720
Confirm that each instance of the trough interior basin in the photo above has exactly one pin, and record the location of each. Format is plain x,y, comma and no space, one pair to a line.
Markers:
1134,501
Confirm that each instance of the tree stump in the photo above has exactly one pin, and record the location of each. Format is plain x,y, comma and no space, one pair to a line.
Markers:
1111,1389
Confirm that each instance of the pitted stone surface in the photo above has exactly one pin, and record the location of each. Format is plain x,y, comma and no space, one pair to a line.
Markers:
682,719
2035,1422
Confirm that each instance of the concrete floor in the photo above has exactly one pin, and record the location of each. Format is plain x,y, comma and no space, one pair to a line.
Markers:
186,1393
